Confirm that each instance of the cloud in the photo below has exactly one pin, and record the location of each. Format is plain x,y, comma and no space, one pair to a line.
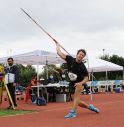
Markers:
93,25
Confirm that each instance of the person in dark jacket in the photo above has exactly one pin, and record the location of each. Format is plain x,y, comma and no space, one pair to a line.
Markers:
12,74
1,82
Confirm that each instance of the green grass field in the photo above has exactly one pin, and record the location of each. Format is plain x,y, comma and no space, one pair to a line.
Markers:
4,112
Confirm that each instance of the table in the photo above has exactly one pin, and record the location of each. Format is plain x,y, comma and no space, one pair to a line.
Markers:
50,85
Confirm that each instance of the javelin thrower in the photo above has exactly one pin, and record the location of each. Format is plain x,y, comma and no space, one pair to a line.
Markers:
78,74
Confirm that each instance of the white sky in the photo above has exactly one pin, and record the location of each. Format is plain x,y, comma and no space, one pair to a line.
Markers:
90,24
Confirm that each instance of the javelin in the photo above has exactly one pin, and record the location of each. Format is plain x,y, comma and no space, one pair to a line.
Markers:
43,30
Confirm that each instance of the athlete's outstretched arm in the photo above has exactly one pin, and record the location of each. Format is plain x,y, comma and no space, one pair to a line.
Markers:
59,52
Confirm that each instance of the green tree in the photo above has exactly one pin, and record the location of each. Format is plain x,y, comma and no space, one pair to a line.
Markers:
50,69
25,74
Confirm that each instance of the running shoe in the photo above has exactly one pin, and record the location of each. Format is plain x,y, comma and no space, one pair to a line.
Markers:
71,114
92,108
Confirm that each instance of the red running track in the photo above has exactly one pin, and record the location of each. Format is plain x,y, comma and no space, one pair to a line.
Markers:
52,115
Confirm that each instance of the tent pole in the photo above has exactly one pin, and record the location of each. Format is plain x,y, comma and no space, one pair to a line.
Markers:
89,75
123,73
38,79
106,80
91,96
46,68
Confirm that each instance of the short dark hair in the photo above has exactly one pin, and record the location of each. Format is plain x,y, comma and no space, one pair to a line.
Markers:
81,50
10,58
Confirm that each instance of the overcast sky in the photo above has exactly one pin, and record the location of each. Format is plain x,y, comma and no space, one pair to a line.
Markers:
90,24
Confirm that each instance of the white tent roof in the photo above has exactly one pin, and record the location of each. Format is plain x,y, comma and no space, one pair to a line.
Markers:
99,65
37,57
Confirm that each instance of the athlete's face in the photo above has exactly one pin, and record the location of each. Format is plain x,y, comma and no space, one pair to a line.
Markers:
80,56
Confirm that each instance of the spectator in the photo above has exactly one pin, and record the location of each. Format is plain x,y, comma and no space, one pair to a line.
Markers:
51,79
29,89
12,75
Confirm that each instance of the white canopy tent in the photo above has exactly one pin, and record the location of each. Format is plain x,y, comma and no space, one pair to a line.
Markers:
99,65
37,57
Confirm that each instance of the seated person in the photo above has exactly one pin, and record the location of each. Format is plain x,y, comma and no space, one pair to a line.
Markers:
34,81
28,91
51,79
63,77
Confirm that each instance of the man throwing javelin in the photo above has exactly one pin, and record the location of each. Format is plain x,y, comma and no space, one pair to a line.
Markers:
78,75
